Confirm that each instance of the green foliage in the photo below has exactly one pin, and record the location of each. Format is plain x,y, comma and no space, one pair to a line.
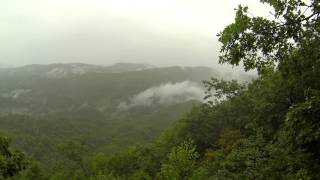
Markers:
181,162
302,124
39,136
11,162
33,172
73,153
199,174
223,90
259,42
104,177
247,160
229,138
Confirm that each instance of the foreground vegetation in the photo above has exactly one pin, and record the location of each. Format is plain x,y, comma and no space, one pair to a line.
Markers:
267,129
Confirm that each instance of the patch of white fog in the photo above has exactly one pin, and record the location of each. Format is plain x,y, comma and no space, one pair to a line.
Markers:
57,73
79,70
61,72
165,94
16,93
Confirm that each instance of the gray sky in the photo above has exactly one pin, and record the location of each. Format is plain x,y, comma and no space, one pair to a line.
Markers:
157,32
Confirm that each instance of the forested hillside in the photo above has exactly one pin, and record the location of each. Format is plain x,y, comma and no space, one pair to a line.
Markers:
102,108
265,129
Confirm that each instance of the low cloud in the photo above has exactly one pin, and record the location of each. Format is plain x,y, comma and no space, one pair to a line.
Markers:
16,93
169,93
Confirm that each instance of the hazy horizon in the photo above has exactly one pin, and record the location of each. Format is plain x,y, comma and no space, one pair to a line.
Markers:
160,33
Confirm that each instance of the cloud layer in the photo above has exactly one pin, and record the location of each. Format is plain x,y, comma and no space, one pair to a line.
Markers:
166,32
170,93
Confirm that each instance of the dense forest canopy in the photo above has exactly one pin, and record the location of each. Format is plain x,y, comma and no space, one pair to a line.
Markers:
266,129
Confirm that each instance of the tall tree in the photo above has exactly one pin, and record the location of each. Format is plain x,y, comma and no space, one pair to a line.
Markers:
287,42
261,43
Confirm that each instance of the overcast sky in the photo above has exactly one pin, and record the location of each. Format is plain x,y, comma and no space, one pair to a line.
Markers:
157,32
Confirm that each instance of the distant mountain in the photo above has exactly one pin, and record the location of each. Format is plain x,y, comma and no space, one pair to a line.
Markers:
127,67
40,89
3,66
75,69
106,107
